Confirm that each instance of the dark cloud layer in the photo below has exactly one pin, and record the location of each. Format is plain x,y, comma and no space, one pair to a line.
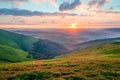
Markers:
69,6
19,12
97,3
23,12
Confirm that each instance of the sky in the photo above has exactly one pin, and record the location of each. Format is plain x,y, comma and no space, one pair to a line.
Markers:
59,13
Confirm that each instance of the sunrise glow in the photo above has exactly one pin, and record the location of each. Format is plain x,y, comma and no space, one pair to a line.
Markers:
73,26
59,14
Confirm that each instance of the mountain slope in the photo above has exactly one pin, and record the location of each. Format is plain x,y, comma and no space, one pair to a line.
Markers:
98,48
14,47
48,48
95,62
94,42
37,49
9,54
16,40
109,49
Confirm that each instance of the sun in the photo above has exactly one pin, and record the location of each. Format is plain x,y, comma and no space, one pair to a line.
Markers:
73,26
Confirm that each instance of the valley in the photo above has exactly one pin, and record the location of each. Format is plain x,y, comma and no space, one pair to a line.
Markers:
69,37
96,59
14,45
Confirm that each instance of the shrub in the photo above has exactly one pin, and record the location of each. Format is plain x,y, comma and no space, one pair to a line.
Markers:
105,66
74,78
35,76
113,74
77,70
91,75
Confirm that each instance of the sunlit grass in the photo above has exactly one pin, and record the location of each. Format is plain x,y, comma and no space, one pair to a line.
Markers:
81,67
86,64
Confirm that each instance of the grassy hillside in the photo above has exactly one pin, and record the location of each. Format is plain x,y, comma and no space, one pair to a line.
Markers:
9,54
111,49
108,49
96,62
14,47
16,40
37,49
95,42
48,48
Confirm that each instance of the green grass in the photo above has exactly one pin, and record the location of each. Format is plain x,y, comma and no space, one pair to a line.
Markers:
91,63
109,49
82,69
16,40
36,76
38,49
14,47
9,54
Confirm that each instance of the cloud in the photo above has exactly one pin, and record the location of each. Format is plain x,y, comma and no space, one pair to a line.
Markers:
19,12
108,12
58,20
69,6
23,12
97,3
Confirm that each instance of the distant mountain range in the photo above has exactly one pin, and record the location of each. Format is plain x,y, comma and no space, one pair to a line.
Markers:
68,37
113,29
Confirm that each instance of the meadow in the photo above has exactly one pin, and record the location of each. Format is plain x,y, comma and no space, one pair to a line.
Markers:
93,63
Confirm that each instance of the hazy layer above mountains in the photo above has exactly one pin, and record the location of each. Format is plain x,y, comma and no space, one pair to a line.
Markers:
70,37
